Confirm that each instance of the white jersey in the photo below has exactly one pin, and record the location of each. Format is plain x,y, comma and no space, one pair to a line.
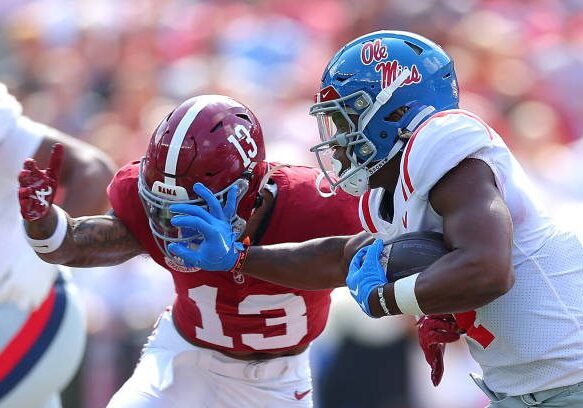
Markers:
19,139
531,338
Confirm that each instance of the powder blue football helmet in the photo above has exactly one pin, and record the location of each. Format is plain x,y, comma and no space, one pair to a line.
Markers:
376,89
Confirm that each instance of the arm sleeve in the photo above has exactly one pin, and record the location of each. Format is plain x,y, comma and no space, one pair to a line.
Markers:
441,145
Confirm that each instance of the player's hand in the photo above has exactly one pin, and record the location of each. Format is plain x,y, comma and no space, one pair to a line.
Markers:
38,187
366,273
434,332
218,250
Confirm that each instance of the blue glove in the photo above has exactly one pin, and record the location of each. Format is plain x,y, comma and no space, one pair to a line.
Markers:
218,250
364,277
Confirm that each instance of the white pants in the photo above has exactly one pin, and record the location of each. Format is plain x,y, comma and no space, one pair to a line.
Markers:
50,374
173,373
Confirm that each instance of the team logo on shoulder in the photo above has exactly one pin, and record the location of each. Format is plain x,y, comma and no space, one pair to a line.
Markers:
179,267
376,52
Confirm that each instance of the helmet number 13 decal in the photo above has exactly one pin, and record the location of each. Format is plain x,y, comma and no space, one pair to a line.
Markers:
242,134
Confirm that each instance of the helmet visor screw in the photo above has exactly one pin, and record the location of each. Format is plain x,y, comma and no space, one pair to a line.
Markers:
365,149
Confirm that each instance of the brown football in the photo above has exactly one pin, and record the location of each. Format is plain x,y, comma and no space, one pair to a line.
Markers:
412,252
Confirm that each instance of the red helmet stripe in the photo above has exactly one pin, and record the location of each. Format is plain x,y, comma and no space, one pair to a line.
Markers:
178,138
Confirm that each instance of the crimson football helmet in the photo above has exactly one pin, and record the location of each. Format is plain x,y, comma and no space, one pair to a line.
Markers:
210,139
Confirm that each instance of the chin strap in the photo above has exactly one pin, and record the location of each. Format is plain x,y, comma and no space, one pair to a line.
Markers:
264,184
269,173
377,166
265,180
324,194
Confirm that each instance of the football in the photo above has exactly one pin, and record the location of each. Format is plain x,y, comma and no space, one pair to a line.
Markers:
410,253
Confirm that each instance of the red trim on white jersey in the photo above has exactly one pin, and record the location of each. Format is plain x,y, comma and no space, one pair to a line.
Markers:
406,176
366,215
405,196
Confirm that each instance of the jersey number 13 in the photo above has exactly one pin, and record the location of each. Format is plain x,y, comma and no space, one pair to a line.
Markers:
294,319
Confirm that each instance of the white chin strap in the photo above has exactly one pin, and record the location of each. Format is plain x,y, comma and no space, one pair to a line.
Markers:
325,194
269,173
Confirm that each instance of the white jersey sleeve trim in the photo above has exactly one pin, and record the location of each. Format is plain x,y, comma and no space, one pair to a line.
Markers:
439,145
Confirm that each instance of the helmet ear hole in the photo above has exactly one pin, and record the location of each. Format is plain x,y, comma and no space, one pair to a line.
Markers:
244,117
217,126
342,77
397,114
416,49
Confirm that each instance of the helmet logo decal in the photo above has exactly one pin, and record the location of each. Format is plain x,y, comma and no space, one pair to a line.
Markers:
242,133
326,94
178,266
169,191
166,191
390,70
375,51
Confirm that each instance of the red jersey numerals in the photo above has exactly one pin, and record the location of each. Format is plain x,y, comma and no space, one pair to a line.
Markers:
466,321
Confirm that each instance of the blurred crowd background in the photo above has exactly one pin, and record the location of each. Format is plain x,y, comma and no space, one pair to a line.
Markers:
106,71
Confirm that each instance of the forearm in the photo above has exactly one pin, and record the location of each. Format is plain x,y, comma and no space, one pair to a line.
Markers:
460,282
89,241
320,263
457,282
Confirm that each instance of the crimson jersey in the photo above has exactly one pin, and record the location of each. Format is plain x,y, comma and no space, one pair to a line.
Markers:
214,310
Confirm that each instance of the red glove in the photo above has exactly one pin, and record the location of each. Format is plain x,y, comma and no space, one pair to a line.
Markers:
434,332
38,187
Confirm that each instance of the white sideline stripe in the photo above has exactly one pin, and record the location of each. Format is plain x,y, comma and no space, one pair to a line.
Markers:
178,138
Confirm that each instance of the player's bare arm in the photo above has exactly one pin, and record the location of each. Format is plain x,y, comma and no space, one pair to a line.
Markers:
326,258
100,240
478,228
54,235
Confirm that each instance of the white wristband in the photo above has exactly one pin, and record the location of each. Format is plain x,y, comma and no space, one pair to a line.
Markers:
52,243
405,295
